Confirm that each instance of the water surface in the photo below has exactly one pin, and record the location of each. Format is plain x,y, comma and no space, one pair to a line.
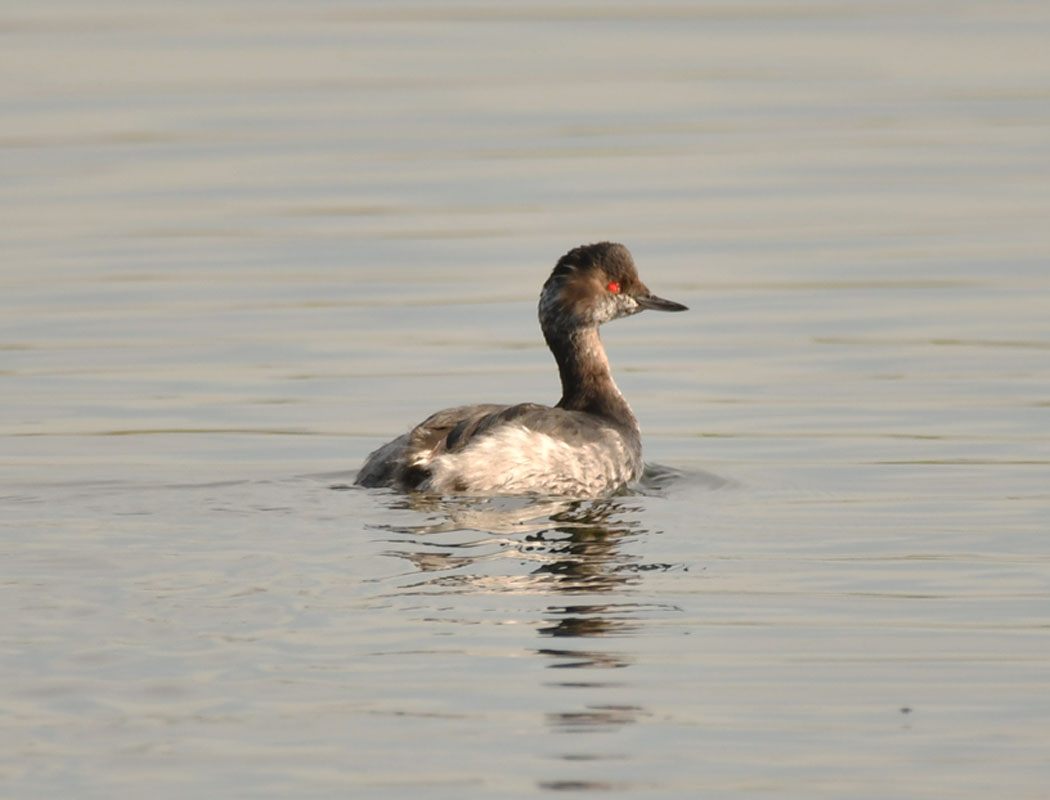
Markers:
244,244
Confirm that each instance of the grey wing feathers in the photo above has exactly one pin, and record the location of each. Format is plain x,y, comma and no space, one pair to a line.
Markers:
395,463
573,427
403,463
475,425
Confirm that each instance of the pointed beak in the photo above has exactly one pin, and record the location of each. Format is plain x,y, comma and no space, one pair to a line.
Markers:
654,303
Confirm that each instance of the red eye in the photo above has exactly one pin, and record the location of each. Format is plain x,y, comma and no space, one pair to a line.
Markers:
613,287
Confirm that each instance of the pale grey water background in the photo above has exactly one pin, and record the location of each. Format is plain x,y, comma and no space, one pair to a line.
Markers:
243,243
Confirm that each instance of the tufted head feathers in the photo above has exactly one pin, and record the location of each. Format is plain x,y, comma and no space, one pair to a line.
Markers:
593,284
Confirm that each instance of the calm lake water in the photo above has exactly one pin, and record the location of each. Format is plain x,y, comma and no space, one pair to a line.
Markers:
244,243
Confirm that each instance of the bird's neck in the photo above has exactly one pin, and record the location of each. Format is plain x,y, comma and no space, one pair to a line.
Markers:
586,379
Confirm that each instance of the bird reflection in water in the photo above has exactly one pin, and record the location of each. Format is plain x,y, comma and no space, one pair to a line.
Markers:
569,548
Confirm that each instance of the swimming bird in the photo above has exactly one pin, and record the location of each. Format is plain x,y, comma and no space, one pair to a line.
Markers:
588,445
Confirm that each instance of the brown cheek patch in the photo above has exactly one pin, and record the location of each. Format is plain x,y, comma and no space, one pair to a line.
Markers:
578,295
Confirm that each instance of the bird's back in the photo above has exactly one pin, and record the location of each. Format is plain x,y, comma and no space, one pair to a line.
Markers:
524,448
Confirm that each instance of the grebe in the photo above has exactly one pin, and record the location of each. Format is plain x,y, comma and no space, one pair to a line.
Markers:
588,445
